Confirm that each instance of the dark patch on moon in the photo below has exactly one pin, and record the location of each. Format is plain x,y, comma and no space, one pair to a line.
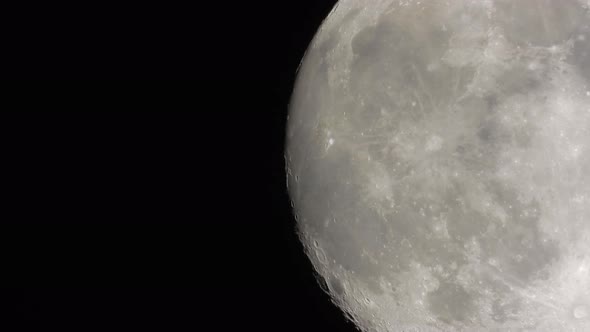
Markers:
451,303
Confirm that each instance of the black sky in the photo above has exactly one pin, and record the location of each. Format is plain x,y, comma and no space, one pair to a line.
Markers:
158,202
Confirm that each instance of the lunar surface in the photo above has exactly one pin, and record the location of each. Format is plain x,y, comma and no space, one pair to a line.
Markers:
438,161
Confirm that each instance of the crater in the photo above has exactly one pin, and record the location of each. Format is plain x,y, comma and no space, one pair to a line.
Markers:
336,286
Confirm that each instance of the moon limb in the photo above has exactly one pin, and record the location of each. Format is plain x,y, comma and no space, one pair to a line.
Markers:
441,155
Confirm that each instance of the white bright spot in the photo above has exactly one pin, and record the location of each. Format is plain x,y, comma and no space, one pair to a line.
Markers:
434,144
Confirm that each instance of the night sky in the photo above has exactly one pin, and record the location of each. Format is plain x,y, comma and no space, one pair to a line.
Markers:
154,203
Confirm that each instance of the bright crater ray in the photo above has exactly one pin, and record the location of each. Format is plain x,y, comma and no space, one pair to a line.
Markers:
438,158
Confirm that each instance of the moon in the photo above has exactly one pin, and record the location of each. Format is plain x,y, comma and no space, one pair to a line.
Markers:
438,163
